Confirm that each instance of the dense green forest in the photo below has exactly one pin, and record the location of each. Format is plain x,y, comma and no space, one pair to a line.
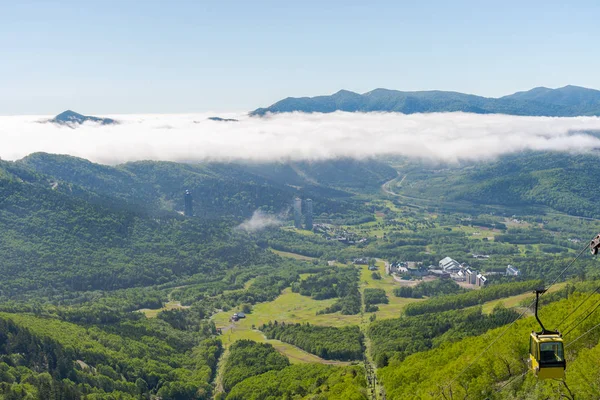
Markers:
429,289
247,358
327,342
394,339
55,241
304,381
42,355
338,282
372,297
328,284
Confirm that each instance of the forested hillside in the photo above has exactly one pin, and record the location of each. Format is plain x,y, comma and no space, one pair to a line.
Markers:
501,371
556,180
306,381
55,241
46,359
247,358
219,189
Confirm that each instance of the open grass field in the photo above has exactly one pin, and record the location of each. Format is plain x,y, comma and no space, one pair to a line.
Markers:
293,307
298,231
478,232
292,255
289,307
152,313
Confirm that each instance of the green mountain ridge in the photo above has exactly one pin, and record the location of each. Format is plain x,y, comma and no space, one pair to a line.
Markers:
219,189
567,101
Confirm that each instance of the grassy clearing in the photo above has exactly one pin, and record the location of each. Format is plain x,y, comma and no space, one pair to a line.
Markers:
152,313
293,255
289,307
478,232
298,231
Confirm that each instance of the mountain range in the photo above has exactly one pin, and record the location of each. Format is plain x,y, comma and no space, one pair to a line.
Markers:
566,101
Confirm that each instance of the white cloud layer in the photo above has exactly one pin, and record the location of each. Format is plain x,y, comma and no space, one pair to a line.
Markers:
260,221
297,136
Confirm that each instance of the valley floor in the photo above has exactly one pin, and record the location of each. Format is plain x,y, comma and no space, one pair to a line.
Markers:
292,307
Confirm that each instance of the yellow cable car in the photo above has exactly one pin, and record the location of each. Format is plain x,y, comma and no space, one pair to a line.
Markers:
547,355
546,351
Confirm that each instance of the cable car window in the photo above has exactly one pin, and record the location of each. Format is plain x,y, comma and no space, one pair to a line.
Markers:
551,352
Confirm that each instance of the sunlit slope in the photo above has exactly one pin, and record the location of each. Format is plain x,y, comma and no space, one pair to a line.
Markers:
427,374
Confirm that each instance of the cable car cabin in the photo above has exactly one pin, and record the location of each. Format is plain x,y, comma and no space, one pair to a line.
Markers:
547,355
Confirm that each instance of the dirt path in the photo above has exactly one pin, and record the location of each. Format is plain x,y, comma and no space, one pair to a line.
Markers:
218,382
374,387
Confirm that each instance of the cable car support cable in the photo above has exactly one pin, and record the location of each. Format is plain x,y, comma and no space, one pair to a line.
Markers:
586,317
582,335
577,308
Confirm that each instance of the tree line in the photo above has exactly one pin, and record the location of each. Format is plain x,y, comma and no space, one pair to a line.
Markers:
470,298
330,343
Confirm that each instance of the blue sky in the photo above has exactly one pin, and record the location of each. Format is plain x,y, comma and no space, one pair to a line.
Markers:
129,56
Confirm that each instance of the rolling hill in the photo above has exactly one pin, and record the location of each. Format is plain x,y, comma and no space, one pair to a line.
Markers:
219,189
556,180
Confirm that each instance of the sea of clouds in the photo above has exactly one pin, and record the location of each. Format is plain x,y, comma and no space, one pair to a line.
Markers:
446,137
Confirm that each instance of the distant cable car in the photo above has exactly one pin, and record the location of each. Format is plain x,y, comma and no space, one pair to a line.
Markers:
546,350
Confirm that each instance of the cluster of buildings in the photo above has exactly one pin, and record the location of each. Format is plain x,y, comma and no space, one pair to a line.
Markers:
237,316
341,235
365,261
308,214
408,268
450,268
447,268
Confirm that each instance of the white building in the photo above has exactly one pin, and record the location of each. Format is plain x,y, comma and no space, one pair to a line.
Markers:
449,265
481,280
512,271
471,276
